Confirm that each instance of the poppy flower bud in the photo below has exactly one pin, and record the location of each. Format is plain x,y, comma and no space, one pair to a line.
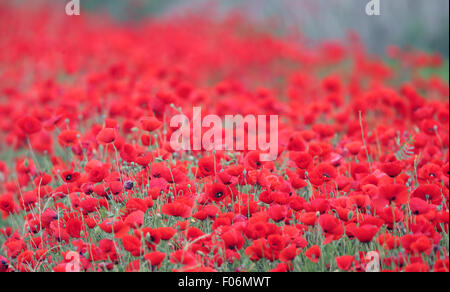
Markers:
436,249
128,185
350,215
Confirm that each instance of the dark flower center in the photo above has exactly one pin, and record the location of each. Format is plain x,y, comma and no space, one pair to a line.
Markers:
69,177
219,195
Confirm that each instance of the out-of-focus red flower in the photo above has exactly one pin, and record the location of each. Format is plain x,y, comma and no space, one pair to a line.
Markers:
29,125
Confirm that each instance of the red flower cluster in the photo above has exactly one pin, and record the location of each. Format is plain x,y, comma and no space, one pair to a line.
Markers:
361,179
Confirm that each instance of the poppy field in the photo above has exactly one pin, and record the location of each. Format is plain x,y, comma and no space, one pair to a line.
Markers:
89,181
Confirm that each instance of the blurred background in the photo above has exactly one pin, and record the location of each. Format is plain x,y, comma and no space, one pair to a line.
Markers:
422,24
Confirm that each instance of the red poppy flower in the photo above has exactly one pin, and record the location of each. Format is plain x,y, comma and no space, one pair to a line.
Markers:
235,170
106,136
277,212
416,244
390,215
419,206
288,253
345,262
441,266
332,227
115,187
282,268
29,125
73,227
7,203
149,124
429,172
354,147
132,245
97,174
276,242
392,193
135,219
70,176
302,159
176,209
183,257
133,266
68,138
257,250
252,160
233,239
47,217
322,173
417,268
206,166
28,200
308,218
389,241
392,166
366,233
428,192
296,143
217,192
42,180
166,233
89,205
313,254
136,204
155,258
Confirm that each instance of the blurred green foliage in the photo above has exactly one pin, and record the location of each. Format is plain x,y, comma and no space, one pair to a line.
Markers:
443,71
408,23
129,10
